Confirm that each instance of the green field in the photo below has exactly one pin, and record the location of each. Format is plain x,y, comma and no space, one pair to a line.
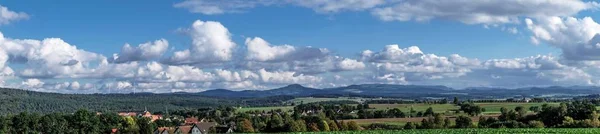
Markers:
491,108
438,108
312,100
474,131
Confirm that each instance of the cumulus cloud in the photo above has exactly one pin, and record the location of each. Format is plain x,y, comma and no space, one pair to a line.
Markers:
261,50
577,38
33,83
413,62
350,64
540,70
286,77
143,52
52,64
49,58
480,12
211,43
8,16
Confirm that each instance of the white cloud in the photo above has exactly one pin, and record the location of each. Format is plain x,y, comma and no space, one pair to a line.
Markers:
283,77
213,7
332,6
480,12
187,74
541,70
577,38
143,52
33,83
211,43
350,64
414,64
261,50
49,58
8,16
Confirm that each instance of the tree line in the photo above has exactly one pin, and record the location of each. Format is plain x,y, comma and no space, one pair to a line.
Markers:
80,122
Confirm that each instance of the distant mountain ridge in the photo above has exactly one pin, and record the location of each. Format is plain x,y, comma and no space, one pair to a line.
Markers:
18,100
408,91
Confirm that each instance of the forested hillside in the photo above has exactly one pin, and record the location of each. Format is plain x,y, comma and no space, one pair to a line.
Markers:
15,101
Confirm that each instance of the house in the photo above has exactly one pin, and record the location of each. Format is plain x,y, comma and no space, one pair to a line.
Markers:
127,114
191,120
186,130
152,117
223,129
164,130
204,127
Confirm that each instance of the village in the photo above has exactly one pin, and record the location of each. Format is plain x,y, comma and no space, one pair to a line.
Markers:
190,125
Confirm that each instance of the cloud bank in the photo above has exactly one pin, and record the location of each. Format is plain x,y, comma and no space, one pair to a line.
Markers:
214,60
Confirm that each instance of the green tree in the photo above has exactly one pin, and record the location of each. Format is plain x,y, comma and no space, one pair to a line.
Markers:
297,126
84,121
333,126
353,126
429,112
275,124
5,124
521,111
25,123
129,125
447,122
410,125
534,109
54,123
343,126
145,125
109,121
455,101
323,126
463,122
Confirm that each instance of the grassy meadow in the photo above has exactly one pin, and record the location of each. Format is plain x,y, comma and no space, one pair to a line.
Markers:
473,131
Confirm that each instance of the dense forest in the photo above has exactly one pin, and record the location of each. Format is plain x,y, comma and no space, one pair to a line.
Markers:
14,101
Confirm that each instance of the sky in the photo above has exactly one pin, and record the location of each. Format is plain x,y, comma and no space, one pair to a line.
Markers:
112,46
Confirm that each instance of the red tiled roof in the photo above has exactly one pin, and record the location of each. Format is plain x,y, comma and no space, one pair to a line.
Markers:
184,129
191,120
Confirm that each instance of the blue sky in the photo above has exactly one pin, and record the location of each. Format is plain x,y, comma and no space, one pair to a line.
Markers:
345,29
104,23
